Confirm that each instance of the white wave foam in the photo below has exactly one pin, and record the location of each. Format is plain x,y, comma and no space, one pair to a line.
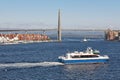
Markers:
23,65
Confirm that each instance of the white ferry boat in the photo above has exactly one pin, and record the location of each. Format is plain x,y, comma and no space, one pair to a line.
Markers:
89,56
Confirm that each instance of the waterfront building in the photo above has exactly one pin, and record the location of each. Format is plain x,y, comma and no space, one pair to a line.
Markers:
112,35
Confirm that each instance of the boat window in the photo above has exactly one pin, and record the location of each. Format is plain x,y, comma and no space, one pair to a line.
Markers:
75,56
84,56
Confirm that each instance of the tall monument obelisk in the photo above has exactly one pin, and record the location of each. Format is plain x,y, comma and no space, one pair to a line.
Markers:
59,26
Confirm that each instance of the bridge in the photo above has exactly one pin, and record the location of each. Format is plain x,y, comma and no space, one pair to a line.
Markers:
12,30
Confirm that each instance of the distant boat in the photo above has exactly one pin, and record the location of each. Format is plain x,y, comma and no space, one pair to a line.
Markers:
89,56
84,40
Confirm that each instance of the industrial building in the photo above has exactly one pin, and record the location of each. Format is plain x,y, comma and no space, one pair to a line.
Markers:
16,38
112,35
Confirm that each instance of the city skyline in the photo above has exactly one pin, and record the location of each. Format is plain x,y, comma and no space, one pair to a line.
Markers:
77,14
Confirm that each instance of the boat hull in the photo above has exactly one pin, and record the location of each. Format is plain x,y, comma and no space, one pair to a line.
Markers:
83,61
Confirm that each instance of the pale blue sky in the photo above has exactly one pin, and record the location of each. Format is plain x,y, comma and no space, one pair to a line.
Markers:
74,13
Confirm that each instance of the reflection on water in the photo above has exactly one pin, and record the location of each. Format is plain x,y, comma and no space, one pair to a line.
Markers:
83,67
85,71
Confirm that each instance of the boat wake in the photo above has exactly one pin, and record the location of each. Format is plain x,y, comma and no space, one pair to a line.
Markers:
25,65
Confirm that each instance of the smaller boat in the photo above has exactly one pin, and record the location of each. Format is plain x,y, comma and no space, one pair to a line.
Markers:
89,56
84,40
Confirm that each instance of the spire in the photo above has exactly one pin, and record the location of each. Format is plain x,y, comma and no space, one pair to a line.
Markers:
59,26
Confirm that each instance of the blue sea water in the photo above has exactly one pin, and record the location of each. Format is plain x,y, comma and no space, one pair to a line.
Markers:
39,61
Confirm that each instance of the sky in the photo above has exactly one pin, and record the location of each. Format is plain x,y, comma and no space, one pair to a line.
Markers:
75,14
